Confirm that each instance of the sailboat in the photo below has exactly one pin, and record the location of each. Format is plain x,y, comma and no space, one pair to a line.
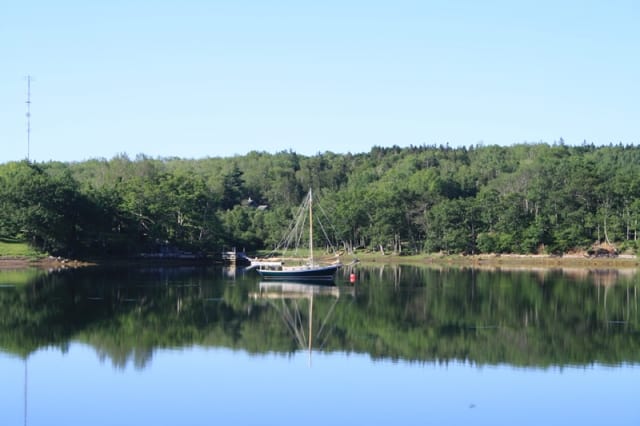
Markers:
311,269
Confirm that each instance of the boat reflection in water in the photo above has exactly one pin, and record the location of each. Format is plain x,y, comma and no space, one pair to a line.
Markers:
288,296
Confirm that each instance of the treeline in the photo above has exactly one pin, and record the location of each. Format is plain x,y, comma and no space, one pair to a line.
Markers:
527,198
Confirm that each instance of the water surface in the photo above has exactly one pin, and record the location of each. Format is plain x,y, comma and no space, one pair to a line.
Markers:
405,345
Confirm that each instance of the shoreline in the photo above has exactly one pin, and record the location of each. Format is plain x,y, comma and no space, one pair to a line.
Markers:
472,261
508,260
17,262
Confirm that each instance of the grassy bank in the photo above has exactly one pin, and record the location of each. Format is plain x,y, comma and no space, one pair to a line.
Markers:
18,249
19,255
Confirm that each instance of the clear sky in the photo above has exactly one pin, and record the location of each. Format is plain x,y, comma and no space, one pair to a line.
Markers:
198,78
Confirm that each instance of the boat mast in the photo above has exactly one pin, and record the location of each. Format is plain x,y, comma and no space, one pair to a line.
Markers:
311,225
310,326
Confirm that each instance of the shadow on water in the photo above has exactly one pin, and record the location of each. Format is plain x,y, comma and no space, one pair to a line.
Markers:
534,318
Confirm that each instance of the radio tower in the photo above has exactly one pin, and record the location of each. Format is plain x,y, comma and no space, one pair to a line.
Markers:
28,114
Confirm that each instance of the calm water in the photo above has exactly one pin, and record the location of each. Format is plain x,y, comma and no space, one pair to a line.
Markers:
404,345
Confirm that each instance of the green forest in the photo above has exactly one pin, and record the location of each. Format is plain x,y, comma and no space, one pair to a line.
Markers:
526,198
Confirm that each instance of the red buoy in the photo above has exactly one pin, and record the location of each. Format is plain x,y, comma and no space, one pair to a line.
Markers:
352,277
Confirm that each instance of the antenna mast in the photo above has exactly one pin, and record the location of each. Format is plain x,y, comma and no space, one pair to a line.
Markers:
28,115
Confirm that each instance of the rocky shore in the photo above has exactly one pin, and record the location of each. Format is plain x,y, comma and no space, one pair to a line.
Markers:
49,262
509,260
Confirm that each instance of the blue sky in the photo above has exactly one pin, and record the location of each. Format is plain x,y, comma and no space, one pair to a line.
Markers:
195,78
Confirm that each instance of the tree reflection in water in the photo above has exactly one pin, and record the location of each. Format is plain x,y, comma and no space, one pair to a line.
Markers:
520,317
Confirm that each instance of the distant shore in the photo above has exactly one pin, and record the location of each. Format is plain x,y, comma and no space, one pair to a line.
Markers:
50,262
507,260
480,261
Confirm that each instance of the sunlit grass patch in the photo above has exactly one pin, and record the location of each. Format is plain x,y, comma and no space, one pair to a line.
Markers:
17,249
